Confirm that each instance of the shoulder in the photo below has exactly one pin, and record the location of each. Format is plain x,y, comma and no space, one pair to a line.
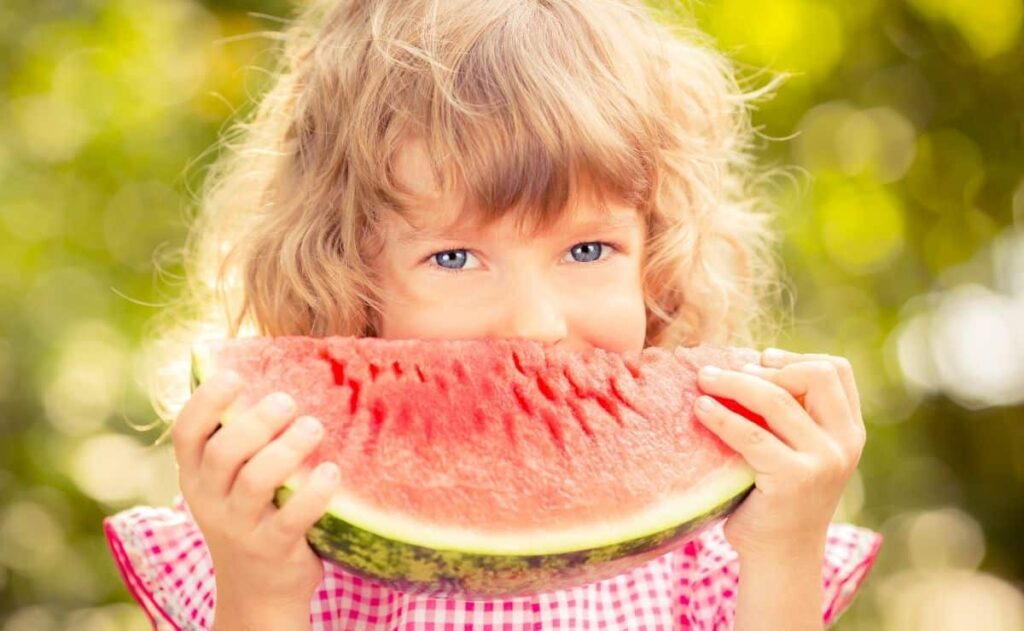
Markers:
164,563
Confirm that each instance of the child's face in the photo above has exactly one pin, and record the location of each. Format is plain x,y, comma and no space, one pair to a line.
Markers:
576,285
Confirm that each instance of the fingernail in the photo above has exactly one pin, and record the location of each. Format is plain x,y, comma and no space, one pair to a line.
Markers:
710,372
751,368
310,426
705,403
772,355
327,472
281,402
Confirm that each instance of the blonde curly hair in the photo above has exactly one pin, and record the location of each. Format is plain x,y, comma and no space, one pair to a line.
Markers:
518,101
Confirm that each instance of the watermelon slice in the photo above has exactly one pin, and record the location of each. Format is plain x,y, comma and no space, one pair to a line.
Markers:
496,467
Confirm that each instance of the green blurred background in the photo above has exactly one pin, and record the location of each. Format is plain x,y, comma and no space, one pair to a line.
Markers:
904,240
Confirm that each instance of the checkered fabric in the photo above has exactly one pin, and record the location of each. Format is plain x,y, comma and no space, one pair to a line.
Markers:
167,567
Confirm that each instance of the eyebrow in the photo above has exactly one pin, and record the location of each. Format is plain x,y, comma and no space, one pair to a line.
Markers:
615,221
609,222
427,234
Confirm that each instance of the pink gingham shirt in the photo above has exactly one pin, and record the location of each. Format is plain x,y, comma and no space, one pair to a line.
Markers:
167,567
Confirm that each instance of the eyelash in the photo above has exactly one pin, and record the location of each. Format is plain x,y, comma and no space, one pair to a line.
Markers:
603,244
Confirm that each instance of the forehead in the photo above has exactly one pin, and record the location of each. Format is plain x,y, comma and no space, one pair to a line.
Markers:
433,209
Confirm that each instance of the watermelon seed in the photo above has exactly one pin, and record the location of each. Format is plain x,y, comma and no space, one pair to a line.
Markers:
337,368
610,407
378,414
374,371
460,371
575,386
580,418
353,403
618,395
545,389
519,364
554,428
419,373
397,369
523,403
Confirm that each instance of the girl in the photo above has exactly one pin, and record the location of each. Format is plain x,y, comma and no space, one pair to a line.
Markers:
571,171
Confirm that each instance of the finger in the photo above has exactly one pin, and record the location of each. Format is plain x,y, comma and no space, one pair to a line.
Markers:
300,511
238,441
254,487
778,358
200,417
824,398
763,451
783,414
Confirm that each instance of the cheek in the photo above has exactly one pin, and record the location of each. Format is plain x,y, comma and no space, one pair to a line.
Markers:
410,310
427,322
615,321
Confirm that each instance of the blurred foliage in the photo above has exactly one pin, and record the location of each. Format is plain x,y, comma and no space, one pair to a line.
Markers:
904,239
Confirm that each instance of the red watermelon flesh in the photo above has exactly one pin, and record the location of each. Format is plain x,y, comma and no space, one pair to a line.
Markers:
500,438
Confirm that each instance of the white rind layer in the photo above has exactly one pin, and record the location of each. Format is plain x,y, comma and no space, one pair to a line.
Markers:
706,494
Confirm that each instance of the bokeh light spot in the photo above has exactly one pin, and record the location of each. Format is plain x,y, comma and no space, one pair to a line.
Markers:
31,538
794,35
861,224
951,600
89,379
878,142
990,28
945,539
109,468
32,618
976,342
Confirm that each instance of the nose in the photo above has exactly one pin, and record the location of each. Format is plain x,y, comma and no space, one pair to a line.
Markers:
533,310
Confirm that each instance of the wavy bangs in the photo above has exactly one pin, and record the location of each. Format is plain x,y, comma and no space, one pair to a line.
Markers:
525,112
523,106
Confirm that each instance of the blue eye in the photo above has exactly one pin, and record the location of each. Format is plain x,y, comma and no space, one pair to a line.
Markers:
587,252
451,259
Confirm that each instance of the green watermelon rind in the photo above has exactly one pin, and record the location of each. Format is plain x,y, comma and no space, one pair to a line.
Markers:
414,557
447,570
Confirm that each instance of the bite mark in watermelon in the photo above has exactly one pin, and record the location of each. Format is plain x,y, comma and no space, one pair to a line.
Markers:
497,467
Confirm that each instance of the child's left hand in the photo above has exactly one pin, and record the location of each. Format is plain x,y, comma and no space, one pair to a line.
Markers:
810,403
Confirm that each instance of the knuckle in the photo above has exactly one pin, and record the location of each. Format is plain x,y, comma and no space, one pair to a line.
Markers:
807,475
860,437
249,480
180,434
831,466
254,547
218,455
713,421
843,365
780,399
822,370
754,436
287,525
836,460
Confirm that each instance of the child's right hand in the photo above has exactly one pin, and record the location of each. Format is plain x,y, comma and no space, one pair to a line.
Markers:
263,565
